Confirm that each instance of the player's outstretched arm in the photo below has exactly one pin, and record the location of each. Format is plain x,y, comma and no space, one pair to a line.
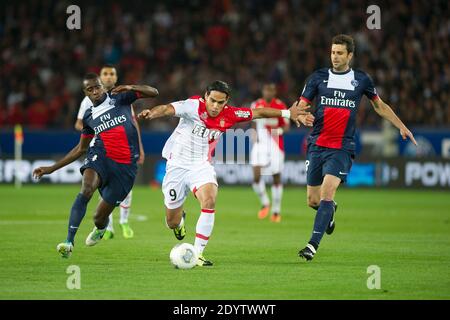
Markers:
73,155
144,90
164,110
386,112
292,113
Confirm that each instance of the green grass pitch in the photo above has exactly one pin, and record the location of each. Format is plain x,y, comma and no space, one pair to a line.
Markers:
404,232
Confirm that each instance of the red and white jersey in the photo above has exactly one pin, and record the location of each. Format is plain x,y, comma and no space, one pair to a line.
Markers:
267,129
197,134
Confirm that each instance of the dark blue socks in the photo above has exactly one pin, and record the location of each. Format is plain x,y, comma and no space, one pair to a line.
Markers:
76,215
323,217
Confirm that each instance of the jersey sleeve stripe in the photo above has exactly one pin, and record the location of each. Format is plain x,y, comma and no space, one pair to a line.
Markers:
84,135
376,97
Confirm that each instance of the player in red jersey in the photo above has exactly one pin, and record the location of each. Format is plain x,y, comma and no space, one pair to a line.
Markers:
188,152
267,155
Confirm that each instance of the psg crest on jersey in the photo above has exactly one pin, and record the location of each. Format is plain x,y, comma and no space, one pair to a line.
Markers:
354,83
112,102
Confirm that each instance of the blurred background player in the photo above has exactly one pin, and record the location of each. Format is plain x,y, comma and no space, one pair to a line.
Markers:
108,77
267,155
110,138
331,144
188,152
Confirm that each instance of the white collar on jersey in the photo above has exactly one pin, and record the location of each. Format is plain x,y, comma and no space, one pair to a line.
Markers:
343,81
106,105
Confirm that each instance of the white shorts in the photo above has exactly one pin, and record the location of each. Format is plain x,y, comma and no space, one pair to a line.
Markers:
267,156
178,182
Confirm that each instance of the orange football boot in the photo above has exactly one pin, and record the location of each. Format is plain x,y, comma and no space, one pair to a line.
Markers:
276,217
264,212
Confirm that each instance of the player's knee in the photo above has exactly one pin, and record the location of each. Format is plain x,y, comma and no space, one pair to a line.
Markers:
256,176
209,202
87,191
276,179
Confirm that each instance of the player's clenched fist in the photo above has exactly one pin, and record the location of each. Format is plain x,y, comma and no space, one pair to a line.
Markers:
39,172
145,114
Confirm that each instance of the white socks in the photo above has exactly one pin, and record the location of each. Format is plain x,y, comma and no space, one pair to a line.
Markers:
260,190
110,226
277,193
124,212
204,229
125,208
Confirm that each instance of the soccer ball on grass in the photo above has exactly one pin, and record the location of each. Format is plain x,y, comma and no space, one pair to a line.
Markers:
184,256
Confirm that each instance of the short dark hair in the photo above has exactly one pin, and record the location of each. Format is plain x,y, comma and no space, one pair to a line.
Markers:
220,86
90,76
344,39
109,66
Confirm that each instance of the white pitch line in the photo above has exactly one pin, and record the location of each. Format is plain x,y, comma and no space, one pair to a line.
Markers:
9,222
137,217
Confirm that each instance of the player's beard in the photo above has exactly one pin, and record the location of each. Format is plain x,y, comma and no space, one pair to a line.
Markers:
339,66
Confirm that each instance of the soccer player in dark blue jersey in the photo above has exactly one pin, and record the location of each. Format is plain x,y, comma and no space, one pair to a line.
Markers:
108,76
110,138
331,145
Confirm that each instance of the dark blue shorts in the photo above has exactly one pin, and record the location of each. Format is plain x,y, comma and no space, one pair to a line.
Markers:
117,179
321,161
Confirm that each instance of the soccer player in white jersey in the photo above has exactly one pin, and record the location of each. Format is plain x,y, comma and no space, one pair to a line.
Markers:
267,155
108,77
189,149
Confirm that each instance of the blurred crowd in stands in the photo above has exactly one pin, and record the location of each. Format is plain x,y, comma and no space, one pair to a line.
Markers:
180,46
